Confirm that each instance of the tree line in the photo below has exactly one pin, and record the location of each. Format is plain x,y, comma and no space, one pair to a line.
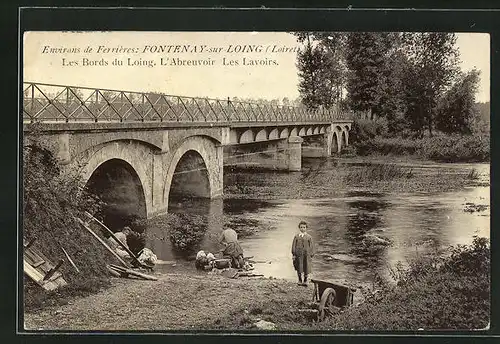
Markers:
413,80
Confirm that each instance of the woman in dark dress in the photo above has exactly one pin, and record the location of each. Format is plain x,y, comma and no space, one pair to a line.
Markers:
302,252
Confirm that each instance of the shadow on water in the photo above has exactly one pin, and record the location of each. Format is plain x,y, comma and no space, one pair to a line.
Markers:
358,234
194,224
365,216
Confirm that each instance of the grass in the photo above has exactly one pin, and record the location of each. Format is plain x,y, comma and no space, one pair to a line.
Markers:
432,293
440,148
371,137
377,172
51,200
473,174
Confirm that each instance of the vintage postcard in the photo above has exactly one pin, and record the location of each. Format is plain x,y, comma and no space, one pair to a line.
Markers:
255,181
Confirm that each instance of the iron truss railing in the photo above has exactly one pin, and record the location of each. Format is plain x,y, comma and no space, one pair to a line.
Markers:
47,102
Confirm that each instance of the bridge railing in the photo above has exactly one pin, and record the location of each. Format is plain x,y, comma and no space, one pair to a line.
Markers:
47,102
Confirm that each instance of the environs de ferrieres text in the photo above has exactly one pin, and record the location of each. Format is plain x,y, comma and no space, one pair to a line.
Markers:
172,55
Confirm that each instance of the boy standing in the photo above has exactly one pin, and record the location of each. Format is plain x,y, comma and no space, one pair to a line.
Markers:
302,252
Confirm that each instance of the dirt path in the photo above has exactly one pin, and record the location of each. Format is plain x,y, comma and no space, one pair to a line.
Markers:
174,302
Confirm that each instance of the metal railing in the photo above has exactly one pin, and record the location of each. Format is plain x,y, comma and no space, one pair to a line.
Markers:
47,102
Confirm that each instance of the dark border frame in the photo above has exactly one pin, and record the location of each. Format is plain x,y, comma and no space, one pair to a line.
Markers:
231,19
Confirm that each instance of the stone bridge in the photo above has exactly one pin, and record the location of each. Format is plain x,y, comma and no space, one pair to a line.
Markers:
156,145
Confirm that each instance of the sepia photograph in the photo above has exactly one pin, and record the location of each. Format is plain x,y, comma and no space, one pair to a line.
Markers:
255,181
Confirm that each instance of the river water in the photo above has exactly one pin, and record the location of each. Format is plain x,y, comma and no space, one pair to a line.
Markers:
358,233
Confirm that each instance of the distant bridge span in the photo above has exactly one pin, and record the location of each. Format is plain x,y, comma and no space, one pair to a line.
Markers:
158,138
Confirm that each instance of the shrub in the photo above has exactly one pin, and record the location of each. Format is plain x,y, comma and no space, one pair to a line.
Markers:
184,231
456,148
440,147
52,198
365,129
433,293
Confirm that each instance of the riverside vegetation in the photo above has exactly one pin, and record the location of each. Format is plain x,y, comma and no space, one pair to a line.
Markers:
422,91
450,291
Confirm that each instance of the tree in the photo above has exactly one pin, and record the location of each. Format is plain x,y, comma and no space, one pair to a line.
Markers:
311,63
457,109
370,72
432,65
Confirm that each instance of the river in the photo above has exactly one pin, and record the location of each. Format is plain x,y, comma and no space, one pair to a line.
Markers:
359,233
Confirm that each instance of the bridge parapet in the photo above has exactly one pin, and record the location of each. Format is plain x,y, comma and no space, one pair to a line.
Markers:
59,103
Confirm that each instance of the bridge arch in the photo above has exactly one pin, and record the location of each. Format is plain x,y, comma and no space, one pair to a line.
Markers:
202,153
126,163
261,135
274,134
247,136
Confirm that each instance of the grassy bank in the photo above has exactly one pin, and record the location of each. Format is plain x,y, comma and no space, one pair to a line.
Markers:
51,201
369,137
433,293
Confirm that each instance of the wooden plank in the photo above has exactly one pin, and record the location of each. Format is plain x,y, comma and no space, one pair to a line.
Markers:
35,256
70,260
37,277
134,273
113,272
53,270
102,242
27,244
37,264
110,232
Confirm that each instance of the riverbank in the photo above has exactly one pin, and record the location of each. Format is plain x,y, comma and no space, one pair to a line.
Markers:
331,177
174,302
370,137
437,293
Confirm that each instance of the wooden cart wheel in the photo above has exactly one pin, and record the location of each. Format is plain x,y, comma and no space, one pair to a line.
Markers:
326,303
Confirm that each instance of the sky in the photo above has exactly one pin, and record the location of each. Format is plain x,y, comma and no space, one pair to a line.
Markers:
199,64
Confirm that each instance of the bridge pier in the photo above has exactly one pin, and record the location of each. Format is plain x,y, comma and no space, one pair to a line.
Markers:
295,153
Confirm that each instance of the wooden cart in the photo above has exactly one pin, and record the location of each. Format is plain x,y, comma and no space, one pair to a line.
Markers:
331,296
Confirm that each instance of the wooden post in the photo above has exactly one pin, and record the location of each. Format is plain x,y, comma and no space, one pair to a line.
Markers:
103,243
110,232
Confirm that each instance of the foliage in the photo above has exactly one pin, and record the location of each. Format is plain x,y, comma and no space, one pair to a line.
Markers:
457,108
313,64
433,293
403,77
432,66
368,59
184,231
443,148
52,198
363,130
321,68
456,148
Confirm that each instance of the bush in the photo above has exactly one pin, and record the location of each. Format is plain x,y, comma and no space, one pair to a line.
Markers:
364,129
388,146
184,231
433,293
456,148
440,147
51,201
